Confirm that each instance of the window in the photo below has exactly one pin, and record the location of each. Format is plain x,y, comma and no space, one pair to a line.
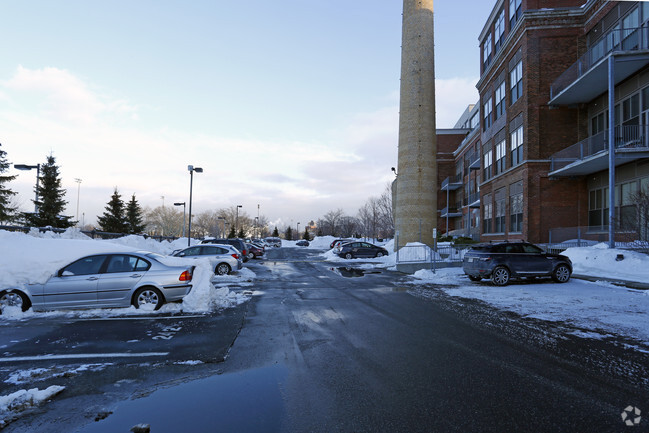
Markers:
516,81
487,113
631,110
499,30
487,214
488,162
598,208
84,266
475,120
486,51
500,100
500,211
514,12
630,24
501,152
516,207
628,209
599,123
516,146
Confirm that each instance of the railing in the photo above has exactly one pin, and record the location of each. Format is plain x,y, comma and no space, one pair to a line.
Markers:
425,254
616,40
457,178
561,238
626,137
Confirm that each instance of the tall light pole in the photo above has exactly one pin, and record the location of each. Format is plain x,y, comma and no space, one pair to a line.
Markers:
256,227
297,232
236,222
191,169
25,167
78,181
183,205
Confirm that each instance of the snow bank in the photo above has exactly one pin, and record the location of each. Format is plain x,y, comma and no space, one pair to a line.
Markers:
13,404
600,260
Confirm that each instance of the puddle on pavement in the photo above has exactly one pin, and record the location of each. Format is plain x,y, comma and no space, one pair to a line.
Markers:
247,401
348,272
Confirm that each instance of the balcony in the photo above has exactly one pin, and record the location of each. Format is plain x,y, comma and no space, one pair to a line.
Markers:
450,212
591,155
588,77
474,200
475,162
452,183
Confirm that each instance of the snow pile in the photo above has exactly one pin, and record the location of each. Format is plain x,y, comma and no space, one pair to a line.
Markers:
32,258
11,405
417,252
600,260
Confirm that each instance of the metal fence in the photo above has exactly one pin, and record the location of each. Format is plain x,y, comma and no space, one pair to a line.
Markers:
94,234
424,254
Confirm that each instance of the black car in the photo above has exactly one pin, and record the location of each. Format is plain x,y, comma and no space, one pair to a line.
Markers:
237,243
302,243
503,261
352,250
254,251
338,241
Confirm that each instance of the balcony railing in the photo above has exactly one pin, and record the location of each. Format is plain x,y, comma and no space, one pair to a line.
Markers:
616,40
452,182
626,137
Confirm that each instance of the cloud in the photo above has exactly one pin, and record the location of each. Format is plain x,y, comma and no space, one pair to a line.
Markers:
452,96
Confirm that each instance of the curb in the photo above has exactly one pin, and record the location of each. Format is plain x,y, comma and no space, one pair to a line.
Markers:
627,283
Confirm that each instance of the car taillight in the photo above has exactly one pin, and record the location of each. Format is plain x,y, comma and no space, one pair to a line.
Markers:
236,256
185,276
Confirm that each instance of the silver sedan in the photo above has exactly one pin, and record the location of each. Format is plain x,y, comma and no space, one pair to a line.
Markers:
227,257
105,281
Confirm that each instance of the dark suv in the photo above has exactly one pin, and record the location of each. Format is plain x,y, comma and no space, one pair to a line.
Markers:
237,243
503,261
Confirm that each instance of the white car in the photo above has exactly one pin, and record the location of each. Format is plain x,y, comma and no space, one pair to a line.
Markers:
227,257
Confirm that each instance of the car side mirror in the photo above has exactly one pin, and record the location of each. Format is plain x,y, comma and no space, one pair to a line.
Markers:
181,254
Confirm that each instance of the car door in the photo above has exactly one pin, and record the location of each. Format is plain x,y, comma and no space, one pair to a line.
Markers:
535,260
367,250
74,286
192,252
116,284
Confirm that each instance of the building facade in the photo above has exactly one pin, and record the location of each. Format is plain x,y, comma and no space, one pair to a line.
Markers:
535,164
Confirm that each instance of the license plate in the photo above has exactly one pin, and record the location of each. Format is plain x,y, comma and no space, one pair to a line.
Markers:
470,259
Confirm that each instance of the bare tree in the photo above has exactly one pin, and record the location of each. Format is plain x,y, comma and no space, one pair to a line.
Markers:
641,198
165,221
368,216
385,219
348,226
205,224
330,222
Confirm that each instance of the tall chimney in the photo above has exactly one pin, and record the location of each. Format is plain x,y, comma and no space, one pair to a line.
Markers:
416,195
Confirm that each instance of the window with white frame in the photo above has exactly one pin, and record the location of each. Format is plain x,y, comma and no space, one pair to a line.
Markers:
514,12
516,146
488,107
501,152
500,100
486,51
516,81
516,207
499,30
488,163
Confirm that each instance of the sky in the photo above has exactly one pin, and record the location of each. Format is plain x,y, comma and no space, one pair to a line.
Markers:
291,105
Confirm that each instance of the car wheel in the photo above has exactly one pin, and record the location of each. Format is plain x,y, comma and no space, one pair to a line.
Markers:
148,298
14,298
349,256
500,276
222,269
474,278
379,254
561,273
251,256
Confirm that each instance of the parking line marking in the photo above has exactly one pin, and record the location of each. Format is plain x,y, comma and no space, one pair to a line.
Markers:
141,318
82,355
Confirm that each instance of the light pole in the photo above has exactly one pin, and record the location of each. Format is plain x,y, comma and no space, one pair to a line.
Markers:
297,232
25,167
183,205
78,181
236,222
191,169
256,227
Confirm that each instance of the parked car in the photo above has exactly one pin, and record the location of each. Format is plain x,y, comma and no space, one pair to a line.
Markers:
228,257
336,242
105,280
504,261
274,242
302,243
254,251
235,242
353,250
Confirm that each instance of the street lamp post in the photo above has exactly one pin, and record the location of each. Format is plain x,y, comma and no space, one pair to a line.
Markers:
78,181
25,167
236,222
183,205
191,169
256,227
297,232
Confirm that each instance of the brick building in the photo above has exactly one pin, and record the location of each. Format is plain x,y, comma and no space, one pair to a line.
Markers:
530,159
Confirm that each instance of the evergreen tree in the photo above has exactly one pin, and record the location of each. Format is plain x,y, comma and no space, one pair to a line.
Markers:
306,235
232,233
288,234
7,212
51,199
114,220
241,233
134,217
275,232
